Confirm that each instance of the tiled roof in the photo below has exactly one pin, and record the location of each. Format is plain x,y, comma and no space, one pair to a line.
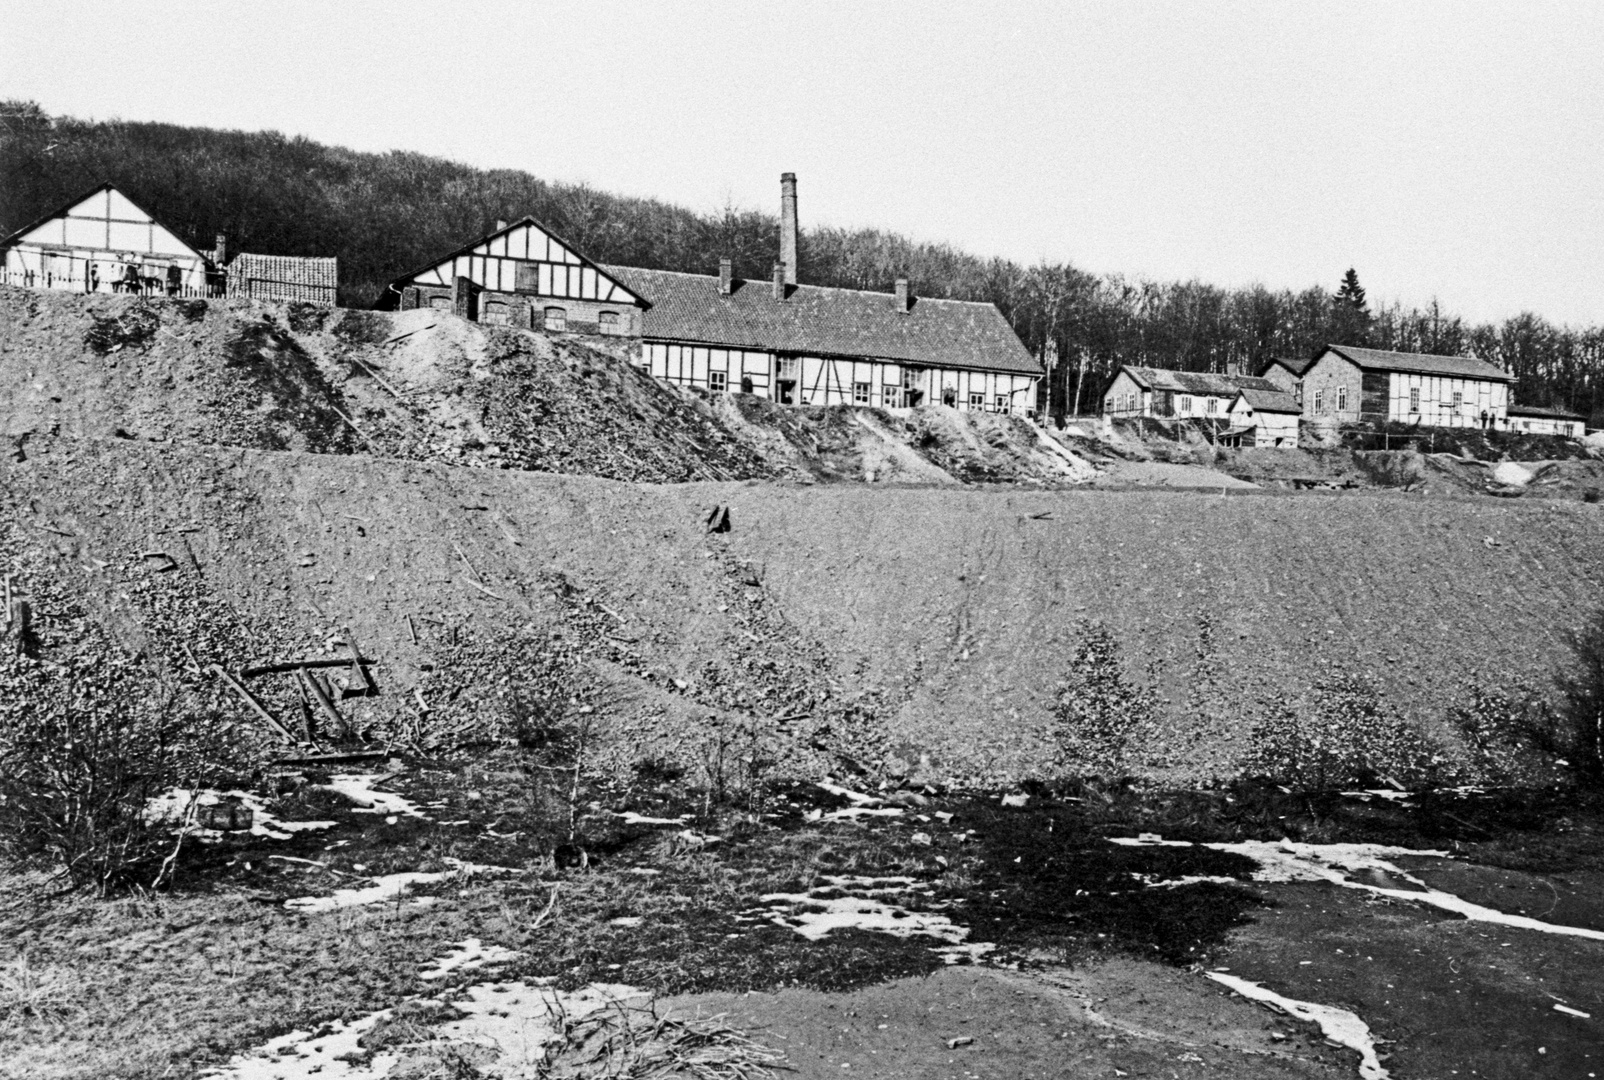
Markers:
1538,410
1271,401
830,322
1455,367
1197,382
1297,367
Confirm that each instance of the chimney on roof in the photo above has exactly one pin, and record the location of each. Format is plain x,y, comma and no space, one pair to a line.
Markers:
500,224
220,252
788,236
904,301
726,277
779,282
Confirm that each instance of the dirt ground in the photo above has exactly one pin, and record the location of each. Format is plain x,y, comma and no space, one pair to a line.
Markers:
957,657
1111,1018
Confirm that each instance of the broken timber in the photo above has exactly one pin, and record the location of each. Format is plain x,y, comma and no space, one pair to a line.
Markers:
718,521
256,706
296,665
337,722
358,676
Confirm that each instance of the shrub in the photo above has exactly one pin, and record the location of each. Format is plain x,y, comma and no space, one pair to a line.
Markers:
1098,710
133,327
85,746
1573,731
1345,735
1492,725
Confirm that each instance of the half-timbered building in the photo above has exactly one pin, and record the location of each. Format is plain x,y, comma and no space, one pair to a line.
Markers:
103,242
774,337
1184,395
523,275
1346,383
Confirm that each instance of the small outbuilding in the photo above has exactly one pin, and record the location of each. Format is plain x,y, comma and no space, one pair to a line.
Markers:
1264,418
1533,420
1183,395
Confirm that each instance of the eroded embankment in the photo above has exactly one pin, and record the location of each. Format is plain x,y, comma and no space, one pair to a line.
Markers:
903,625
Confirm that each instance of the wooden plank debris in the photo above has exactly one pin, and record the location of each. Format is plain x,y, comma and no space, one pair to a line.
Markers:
256,706
718,520
337,726
357,683
281,667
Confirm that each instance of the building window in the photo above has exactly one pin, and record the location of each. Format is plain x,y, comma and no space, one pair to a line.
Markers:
718,381
440,303
977,401
1297,391
860,393
1002,402
1342,399
1186,405
891,396
556,319
1459,399
607,322
787,367
1414,399
1211,406
1319,401
496,314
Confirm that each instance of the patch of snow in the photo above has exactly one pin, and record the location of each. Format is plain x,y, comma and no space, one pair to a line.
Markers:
1334,863
629,817
1338,1025
519,1020
1390,794
969,953
814,917
297,1055
179,806
1568,1011
358,787
852,812
515,1020
1147,840
847,793
388,887
1191,879
467,954
626,920
699,839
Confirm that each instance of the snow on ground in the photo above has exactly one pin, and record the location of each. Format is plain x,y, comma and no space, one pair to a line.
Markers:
299,1054
1336,863
358,787
1338,1025
388,887
179,806
629,817
850,903
514,1021
468,954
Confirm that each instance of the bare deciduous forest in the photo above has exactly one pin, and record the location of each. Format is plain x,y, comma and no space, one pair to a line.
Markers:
383,214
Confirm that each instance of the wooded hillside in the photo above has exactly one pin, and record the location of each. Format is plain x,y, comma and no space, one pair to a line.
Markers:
384,214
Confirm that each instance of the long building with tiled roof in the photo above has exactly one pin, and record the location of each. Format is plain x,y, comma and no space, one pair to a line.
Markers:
1347,383
776,338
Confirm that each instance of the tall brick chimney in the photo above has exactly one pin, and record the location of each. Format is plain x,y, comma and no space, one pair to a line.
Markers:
902,296
220,252
788,235
726,277
500,224
779,282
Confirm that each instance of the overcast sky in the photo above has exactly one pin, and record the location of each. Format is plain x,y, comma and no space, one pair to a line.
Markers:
1444,149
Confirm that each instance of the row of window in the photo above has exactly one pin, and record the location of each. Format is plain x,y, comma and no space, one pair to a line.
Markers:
1210,406
497,313
1320,400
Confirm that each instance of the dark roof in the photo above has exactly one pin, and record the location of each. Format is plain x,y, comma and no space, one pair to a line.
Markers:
1538,410
1271,401
1196,382
1297,367
1458,367
830,322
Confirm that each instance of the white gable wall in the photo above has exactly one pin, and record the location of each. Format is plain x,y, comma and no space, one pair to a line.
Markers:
90,246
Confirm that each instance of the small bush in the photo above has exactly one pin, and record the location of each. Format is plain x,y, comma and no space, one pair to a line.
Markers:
1492,726
85,746
1098,710
1345,736
132,328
